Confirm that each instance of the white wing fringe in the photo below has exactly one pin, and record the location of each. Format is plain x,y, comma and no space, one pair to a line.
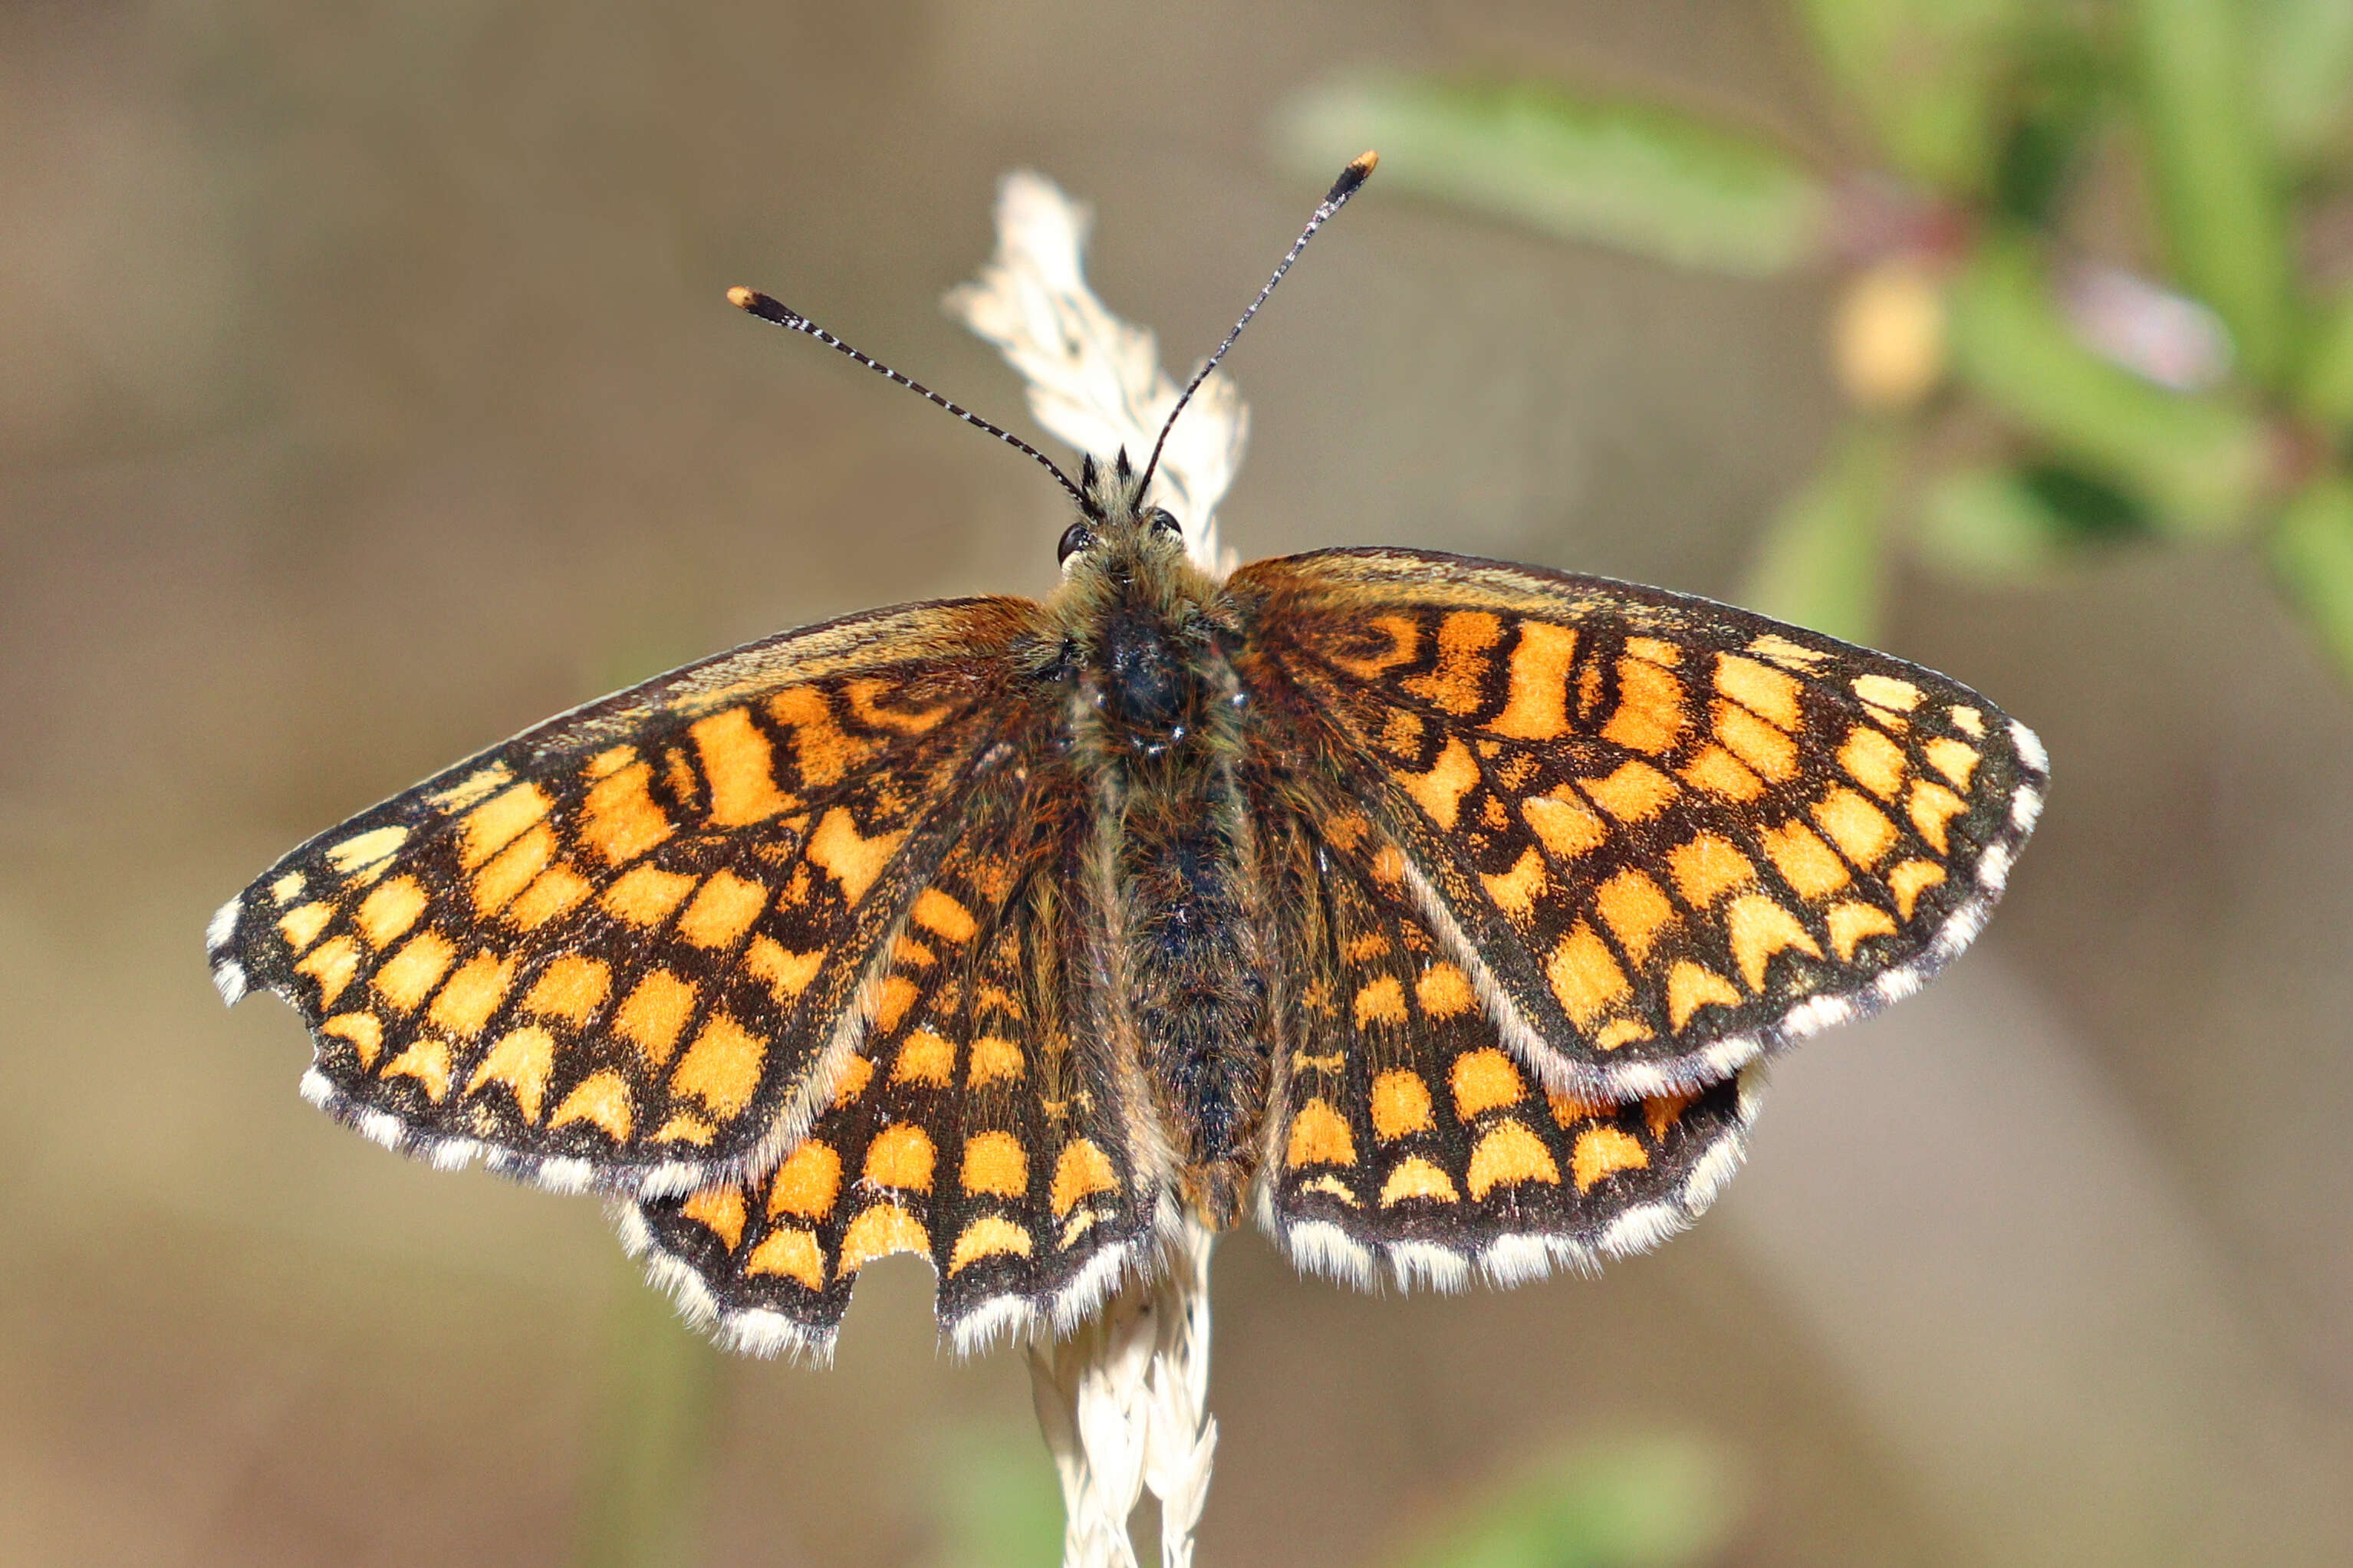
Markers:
1094,380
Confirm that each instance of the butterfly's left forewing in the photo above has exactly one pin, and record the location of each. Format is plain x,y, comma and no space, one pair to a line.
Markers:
1664,836
630,946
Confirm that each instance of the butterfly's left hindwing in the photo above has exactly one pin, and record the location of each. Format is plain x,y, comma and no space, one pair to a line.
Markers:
1664,835
621,948
977,1124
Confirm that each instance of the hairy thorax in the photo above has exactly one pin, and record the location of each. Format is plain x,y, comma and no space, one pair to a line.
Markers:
1155,714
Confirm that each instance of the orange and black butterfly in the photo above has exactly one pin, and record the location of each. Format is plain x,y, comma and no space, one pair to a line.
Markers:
1440,913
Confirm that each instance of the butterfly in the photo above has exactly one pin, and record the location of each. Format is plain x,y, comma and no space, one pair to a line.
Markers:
1439,914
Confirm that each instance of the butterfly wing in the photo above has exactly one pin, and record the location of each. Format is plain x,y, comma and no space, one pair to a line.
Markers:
1403,1132
974,1126
632,945
1663,836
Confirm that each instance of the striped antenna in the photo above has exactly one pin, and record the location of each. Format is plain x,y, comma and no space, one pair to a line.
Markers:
1350,179
769,310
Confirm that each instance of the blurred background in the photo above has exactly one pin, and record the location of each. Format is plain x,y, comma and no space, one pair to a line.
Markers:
369,395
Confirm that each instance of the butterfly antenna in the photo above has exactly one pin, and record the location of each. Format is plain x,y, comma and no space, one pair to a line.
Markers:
1351,177
769,310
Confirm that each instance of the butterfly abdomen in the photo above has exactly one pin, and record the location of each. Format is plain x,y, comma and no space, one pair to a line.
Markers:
1197,994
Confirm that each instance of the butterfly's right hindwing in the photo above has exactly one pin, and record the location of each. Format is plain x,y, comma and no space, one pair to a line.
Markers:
625,948
1405,1140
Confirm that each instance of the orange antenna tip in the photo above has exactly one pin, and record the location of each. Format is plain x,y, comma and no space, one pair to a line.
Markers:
1357,172
742,299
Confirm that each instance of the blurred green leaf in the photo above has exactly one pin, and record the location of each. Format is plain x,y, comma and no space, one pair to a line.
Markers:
1819,563
2311,554
2325,386
2063,94
2199,461
2089,510
1653,1502
2216,183
1640,177
1000,1504
638,1498
2012,524
1929,74
2036,158
2304,70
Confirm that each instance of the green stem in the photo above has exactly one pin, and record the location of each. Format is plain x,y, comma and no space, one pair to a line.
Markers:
2218,187
2200,461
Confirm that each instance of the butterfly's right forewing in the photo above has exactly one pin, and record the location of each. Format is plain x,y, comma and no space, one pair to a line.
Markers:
1665,836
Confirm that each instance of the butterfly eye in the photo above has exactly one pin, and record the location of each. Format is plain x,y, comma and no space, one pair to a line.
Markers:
1160,517
1075,538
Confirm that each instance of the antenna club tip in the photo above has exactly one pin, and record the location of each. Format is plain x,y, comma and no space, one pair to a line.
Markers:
1359,171
742,299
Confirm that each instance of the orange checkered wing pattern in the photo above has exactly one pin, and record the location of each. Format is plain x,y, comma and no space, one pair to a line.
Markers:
1663,837
976,1125
1406,1139
635,946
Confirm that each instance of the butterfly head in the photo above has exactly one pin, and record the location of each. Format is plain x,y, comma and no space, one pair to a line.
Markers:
1115,533
1135,624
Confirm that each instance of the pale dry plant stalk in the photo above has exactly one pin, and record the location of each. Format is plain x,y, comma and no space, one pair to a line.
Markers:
1123,1398
1094,380
1123,1402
